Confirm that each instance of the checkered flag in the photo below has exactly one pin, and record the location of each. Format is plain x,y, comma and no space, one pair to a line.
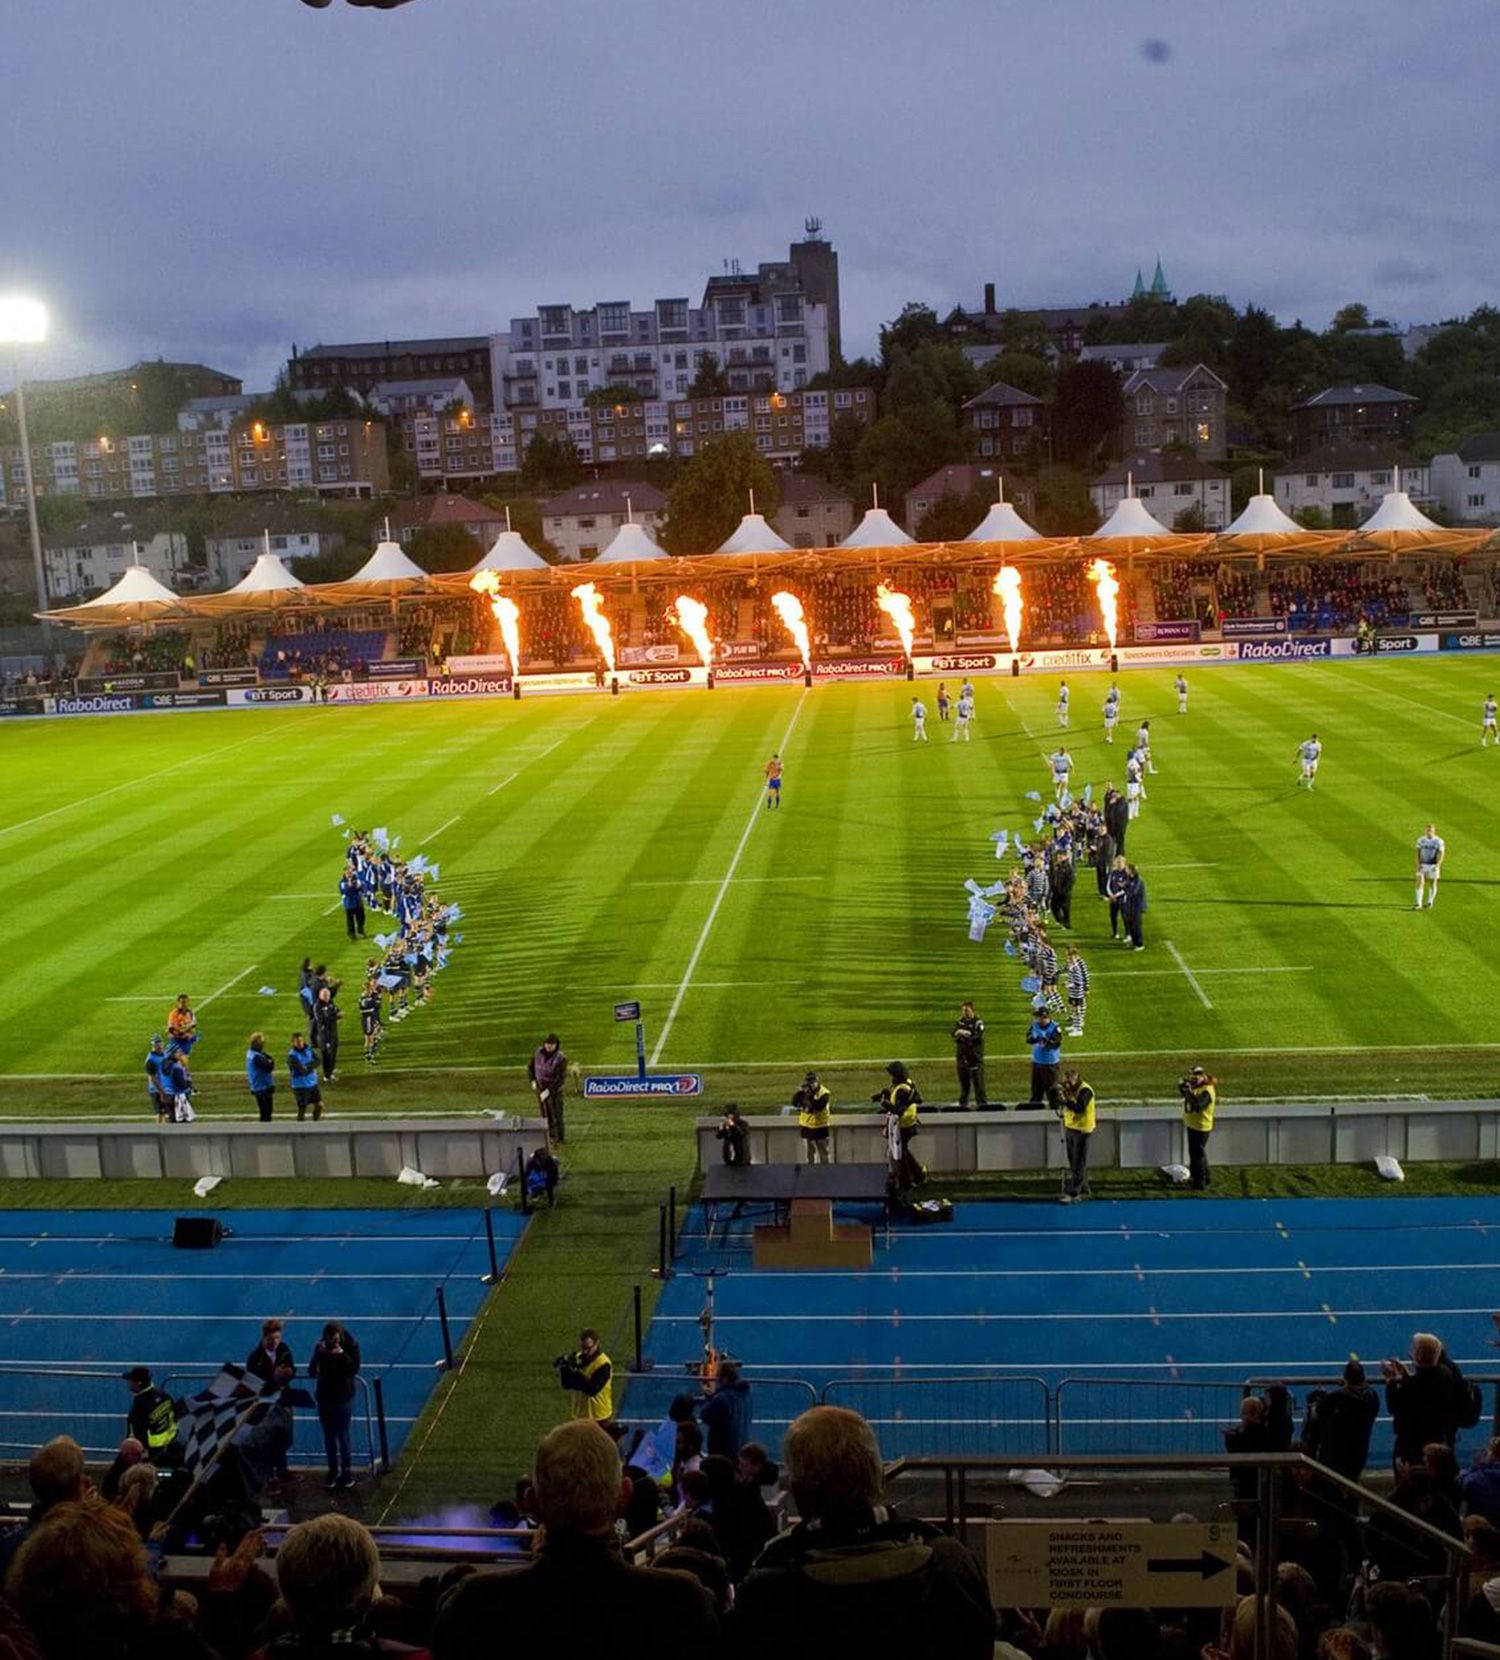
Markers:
232,1402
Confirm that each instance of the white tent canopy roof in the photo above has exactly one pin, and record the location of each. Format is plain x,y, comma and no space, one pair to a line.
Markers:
388,563
753,535
1129,518
631,542
877,530
265,575
510,552
136,587
1396,512
1260,516
1002,524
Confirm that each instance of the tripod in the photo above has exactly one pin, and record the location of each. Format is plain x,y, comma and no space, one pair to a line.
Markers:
707,1368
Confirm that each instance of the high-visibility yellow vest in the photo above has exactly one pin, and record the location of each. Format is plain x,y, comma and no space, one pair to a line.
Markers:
904,1102
815,1112
1201,1118
1079,1114
161,1425
600,1407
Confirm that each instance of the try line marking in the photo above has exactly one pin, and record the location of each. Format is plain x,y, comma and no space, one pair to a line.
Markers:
1192,979
229,985
495,788
734,865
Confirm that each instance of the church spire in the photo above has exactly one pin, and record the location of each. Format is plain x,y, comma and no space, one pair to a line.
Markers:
1139,291
1159,290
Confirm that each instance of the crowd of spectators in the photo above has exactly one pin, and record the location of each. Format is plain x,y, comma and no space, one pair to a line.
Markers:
728,1573
334,651
1337,596
1172,590
1443,586
230,648
165,651
1237,592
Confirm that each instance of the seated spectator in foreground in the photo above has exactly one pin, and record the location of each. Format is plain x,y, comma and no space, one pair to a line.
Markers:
57,1476
82,1585
328,1573
853,1577
1480,1486
577,1574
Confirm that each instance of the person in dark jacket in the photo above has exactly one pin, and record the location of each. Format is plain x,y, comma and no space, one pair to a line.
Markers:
1063,876
1480,1486
328,1573
271,1361
260,1074
542,1176
1133,907
354,903
326,1017
853,1577
1105,852
725,1414
153,1419
734,1136
548,1071
968,1044
1116,816
577,1573
1424,1402
1339,1421
333,1368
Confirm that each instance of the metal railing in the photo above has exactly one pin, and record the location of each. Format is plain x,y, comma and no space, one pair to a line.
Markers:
1097,1416
1262,1512
642,1400
986,1415
367,1429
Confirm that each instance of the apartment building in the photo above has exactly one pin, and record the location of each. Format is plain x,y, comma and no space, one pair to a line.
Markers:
1168,486
360,366
1367,414
581,521
90,556
333,458
1009,423
812,513
1175,407
1345,481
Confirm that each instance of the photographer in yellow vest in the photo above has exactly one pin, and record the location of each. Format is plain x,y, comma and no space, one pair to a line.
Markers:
587,1376
1200,1095
814,1114
1078,1125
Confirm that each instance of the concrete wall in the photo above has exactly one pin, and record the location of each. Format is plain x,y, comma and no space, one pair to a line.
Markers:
969,1143
473,1148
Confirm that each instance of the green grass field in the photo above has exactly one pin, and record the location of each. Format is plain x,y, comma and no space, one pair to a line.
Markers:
605,848
589,842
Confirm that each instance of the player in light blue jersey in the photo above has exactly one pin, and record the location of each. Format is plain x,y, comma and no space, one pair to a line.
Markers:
1064,697
1430,851
1309,753
1181,687
918,721
1061,764
965,717
1489,732
1111,713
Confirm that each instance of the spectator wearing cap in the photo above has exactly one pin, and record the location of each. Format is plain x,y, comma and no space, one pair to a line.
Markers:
548,1072
153,1419
814,1108
853,1577
1200,1098
577,1572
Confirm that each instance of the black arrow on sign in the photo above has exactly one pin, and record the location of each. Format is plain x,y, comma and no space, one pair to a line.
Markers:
1205,1564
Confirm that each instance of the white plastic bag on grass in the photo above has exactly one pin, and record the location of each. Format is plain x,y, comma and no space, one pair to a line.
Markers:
415,1178
1389,1169
1177,1174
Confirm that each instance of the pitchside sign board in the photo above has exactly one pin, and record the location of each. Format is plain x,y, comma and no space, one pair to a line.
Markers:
624,1086
1111,1564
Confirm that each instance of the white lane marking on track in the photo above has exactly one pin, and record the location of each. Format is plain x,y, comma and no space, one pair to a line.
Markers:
145,778
228,985
866,1318
867,1274
1192,979
1245,1368
750,824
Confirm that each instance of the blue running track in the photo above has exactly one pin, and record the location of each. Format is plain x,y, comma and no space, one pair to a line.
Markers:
1106,1327
95,1292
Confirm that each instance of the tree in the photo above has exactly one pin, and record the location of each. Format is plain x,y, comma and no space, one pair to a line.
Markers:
859,371
550,465
917,325
953,515
1026,371
1062,504
1311,518
712,493
900,450
401,463
837,461
443,548
606,397
1190,519
1355,316
709,377
1089,410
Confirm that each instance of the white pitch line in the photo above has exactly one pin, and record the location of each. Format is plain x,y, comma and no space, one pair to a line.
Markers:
495,789
432,834
229,985
1192,864
1432,709
710,881
1192,979
144,778
750,824
1158,973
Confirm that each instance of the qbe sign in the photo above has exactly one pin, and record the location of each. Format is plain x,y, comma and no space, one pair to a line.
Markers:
1111,1564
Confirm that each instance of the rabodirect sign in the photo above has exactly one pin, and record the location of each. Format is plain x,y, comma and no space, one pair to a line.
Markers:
750,673
621,1085
99,703
860,668
1471,642
470,685
1284,651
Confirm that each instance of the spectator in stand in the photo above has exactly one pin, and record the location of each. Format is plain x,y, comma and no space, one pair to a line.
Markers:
725,1414
57,1476
271,1361
1337,1434
1424,1402
577,1573
328,1573
854,1578
333,1368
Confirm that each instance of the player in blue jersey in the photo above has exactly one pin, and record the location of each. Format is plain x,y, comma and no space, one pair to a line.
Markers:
1489,732
1430,851
1309,753
1064,697
1060,763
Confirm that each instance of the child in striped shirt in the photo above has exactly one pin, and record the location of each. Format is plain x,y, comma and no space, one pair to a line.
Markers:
1076,983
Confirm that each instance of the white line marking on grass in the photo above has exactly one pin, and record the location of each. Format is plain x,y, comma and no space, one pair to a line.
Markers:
328,910
433,834
1158,973
710,881
323,895
144,778
1192,864
1192,979
495,789
228,985
550,747
750,824
1432,709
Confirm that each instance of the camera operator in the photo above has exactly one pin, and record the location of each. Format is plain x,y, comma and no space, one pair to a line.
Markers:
814,1106
1078,1125
899,1101
587,1376
1200,1095
734,1135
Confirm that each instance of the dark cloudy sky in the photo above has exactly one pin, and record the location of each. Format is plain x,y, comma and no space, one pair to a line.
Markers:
214,179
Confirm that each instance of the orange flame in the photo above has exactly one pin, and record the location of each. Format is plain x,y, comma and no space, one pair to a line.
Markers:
592,602
1102,574
507,614
691,616
898,608
1008,585
789,609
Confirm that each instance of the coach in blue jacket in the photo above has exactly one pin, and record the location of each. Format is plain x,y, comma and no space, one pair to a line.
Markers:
302,1074
1045,1038
260,1074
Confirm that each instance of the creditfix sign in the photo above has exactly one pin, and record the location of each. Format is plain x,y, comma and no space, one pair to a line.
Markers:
1251,628
470,685
1085,657
1284,651
621,1086
1204,653
376,691
248,696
